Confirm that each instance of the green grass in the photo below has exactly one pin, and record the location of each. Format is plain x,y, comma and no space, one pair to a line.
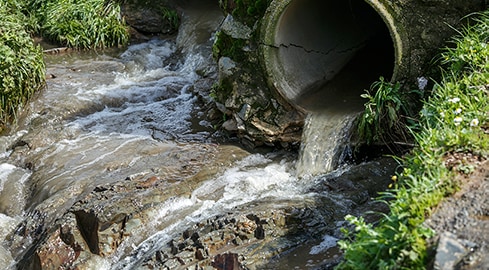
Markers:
22,70
387,112
84,24
171,16
453,120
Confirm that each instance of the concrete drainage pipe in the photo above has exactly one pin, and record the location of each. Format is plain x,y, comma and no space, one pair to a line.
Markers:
325,53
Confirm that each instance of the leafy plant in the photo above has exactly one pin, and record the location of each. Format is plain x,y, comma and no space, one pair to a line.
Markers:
246,11
22,70
171,16
84,24
383,119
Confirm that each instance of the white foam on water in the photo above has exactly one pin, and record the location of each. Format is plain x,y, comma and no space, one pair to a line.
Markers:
255,177
12,188
149,99
328,242
149,55
144,117
5,170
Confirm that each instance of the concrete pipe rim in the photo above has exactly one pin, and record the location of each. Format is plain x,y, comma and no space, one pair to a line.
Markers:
284,44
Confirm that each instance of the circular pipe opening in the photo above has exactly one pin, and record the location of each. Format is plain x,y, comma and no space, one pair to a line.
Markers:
323,54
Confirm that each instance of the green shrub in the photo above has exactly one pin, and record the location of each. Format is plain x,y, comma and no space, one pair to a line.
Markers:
22,70
84,24
383,120
171,16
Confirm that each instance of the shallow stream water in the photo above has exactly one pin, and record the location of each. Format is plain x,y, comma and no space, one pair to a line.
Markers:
107,116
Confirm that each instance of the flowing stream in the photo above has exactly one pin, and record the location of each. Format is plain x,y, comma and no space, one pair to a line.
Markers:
115,115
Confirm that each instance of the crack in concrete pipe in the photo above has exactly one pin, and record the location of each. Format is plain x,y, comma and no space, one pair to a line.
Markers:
321,54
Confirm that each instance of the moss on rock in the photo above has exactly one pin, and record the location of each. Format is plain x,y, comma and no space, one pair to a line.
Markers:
247,11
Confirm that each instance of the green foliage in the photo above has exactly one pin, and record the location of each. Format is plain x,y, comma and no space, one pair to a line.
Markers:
221,90
171,16
75,23
454,119
84,24
385,114
246,11
227,46
22,70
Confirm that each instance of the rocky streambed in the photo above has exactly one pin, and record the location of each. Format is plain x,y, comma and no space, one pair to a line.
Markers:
156,221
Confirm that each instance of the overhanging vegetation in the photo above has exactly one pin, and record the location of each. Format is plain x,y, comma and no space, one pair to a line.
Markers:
22,70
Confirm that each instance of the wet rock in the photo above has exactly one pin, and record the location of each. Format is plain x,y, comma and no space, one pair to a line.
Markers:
226,66
228,261
235,29
61,249
255,233
100,223
56,253
117,218
230,125
254,113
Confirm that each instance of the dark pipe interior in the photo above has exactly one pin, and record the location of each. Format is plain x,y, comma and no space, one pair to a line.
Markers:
331,51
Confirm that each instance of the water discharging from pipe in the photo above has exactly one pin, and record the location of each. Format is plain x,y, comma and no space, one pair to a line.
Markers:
321,57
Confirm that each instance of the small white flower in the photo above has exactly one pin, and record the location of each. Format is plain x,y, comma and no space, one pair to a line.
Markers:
422,83
442,114
458,110
454,100
457,120
474,122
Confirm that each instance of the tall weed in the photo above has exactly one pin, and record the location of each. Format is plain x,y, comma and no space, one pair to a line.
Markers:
387,111
84,24
22,70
